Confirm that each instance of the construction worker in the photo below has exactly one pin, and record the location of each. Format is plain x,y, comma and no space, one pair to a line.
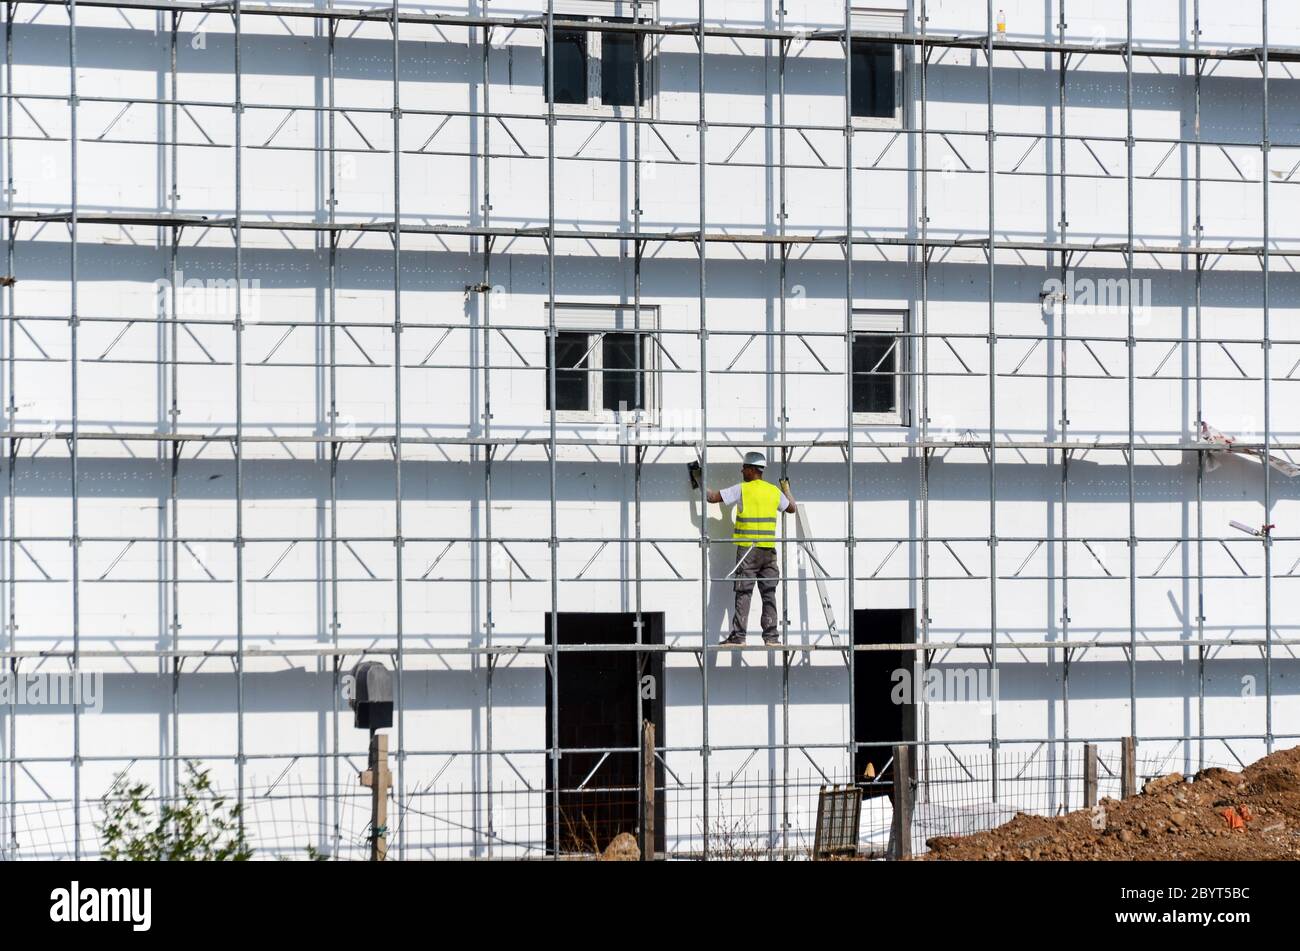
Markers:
757,504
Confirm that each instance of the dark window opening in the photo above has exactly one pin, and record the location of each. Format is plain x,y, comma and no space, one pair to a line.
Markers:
875,373
570,66
621,66
872,80
572,362
599,795
600,368
619,377
877,717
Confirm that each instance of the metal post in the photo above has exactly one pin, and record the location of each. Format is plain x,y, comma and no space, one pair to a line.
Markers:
334,446
851,578
641,397
783,49
921,659
1132,403
240,758
172,423
485,551
1199,259
552,447
993,423
1064,425
398,541
1267,539
10,778
74,448
706,648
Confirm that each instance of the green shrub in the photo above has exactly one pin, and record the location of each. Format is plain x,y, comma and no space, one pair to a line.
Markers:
196,825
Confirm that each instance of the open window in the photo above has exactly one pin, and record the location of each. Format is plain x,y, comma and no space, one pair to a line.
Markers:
876,80
879,366
605,363
602,71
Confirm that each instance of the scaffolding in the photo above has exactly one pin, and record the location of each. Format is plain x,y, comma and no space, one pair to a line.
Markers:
326,228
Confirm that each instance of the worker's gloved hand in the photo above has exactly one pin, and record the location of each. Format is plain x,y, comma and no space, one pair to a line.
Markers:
693,468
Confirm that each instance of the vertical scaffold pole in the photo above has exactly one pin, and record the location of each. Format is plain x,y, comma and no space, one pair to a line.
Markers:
240,759
706,649
993,422
1267,540
554,654
398,541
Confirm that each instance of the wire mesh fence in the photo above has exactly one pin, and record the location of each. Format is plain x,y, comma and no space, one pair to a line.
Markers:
757,815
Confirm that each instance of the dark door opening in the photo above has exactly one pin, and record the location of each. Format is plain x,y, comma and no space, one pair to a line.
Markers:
600,795
877,717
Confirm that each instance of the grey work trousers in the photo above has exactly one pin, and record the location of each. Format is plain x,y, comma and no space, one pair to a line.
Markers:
760,564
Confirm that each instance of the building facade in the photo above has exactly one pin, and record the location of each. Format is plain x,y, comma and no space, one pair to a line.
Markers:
333,336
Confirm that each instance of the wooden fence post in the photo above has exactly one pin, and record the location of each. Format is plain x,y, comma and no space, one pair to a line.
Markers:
1089,775
1128,764
902,802
379,780
647,791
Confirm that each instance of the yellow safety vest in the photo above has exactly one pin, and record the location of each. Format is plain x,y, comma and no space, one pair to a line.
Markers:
756,520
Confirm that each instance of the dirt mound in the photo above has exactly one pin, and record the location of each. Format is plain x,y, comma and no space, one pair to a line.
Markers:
623,848
1217,814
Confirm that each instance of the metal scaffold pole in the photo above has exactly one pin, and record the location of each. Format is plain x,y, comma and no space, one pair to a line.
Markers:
74,448
639,414
783,421
168,336
1266,539
332,419
10,772
707,653
920,659
993,417
484,552
398,542
1063,425
240,757
1199,261
851,544
552,445
1132,362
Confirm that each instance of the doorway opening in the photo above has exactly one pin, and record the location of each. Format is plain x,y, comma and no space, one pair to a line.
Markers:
599,696
877,717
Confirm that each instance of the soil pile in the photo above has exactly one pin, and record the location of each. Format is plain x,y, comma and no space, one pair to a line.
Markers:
1216,814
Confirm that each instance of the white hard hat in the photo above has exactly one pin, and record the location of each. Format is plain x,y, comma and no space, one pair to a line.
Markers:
755,459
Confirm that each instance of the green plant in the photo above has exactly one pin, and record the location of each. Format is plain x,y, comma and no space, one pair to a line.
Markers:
196,825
